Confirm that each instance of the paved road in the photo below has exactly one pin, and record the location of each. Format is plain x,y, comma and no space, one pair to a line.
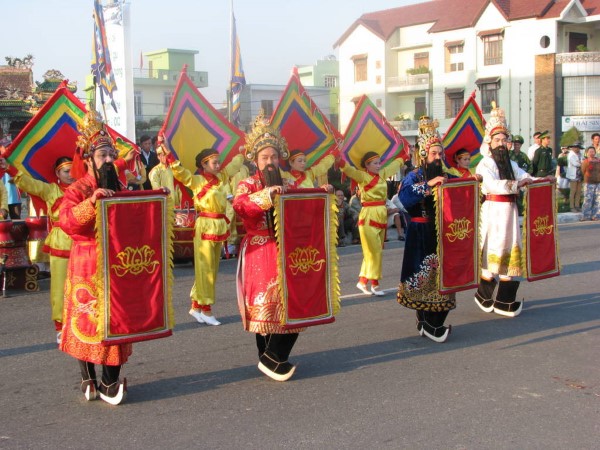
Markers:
366,381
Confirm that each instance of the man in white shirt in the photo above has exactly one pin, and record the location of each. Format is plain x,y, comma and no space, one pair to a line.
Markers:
535,146
574,175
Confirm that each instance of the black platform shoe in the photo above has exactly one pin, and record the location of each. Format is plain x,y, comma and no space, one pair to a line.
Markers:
506,304
277,370
484,297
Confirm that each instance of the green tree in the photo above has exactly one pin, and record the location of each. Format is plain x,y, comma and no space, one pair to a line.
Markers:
571,136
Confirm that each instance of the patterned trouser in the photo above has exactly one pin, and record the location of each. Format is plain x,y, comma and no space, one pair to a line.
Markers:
591,201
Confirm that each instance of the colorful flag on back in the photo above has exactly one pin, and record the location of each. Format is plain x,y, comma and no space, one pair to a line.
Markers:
52,134
466,132
369,130
238,79
101,65
303,124
192,124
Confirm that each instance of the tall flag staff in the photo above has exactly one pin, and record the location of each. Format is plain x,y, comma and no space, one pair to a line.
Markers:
101,65
238,79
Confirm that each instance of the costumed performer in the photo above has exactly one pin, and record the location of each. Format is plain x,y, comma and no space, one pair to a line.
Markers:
96,178
372,220
57,244
259,297
501,247
419,289
210,188
301,177
161,176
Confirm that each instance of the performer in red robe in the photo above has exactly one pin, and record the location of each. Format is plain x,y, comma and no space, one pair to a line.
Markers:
93,165
259,298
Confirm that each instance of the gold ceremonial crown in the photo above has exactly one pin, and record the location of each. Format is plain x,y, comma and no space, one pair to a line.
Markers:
263,135
496,124
428,136
93,134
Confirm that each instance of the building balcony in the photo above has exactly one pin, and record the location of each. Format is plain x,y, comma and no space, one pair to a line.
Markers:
168,77
408,83
405,125
579,63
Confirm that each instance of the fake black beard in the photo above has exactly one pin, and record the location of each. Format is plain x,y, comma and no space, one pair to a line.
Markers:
107,177
433,170
271,176
502,160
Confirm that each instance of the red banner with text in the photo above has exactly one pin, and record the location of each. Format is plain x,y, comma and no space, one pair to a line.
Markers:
458,235
539,230
135,256
306,223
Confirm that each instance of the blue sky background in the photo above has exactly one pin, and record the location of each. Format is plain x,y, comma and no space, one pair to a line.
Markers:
274,35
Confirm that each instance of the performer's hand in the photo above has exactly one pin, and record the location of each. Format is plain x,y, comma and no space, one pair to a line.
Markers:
327,188
4,214
166,190
275,190
478,177
435,181
524,182
550,178
101,193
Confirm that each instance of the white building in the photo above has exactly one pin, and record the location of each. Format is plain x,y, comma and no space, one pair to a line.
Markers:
538,59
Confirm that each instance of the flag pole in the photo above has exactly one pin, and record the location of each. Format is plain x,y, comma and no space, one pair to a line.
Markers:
231,44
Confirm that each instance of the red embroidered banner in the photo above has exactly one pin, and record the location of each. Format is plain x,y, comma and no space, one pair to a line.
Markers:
134,267
306,223
458,235
539,230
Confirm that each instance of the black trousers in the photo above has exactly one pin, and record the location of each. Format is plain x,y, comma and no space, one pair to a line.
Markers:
110,374
278,346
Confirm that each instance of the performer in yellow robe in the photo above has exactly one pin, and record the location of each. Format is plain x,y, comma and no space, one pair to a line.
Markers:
57,243
301,177
161,176
372,220
212,225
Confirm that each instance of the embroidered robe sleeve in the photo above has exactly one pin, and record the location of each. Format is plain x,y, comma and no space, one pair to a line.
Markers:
250,202
77,213
413,189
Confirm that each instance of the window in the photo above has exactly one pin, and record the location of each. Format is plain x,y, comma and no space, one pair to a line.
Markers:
421,59
167,97
360,69
455,56
489,88
137,105
330,81
420,107
267,107
581,96
455,99
492,49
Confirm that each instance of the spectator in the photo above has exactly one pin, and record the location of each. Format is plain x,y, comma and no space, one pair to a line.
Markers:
542,158
148,158
347,219
14,197
596,141
574,176
590,168
401,218
562,184
356,207
535,145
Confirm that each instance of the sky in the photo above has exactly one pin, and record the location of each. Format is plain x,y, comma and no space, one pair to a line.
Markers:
274,35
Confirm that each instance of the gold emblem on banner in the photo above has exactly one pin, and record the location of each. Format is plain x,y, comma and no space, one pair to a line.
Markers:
135,261
541,226
459,229
305,259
